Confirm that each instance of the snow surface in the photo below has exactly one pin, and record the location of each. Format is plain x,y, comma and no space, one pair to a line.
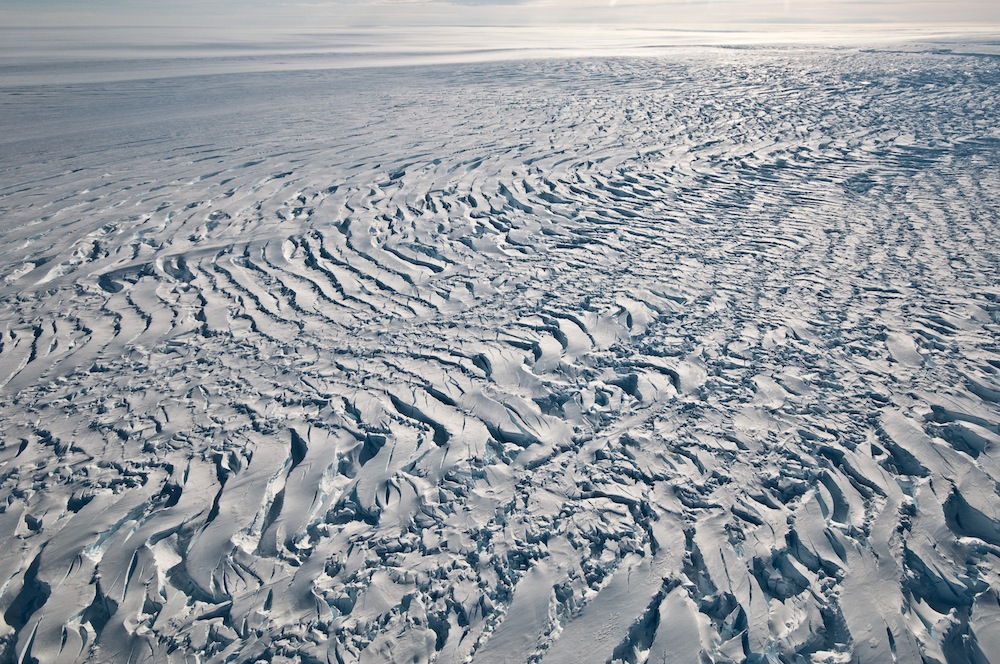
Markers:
675,359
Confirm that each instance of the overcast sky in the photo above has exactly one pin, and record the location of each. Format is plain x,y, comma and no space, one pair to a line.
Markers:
334,13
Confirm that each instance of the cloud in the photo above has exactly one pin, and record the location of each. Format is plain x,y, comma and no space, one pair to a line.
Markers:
332,13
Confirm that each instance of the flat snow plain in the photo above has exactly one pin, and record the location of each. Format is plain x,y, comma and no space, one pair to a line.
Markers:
688,358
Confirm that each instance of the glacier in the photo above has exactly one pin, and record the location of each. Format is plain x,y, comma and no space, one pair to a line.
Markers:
691,357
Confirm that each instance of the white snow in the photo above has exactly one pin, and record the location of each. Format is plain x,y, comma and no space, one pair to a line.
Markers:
687,357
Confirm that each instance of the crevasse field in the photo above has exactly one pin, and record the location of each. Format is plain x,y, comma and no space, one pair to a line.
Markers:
692,357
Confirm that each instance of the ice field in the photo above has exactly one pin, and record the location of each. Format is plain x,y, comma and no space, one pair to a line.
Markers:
692,357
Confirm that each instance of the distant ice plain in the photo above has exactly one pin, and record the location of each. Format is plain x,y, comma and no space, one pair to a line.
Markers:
670,353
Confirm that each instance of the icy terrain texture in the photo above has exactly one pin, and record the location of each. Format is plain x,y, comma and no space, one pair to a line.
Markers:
683,359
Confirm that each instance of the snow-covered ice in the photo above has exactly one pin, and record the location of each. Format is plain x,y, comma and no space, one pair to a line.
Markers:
686,358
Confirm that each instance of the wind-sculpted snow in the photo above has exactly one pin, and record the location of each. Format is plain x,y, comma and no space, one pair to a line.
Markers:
687,359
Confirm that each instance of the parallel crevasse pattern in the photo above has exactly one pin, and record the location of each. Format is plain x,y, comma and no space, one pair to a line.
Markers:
666,360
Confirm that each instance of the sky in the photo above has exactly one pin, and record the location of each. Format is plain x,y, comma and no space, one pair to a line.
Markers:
703,14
